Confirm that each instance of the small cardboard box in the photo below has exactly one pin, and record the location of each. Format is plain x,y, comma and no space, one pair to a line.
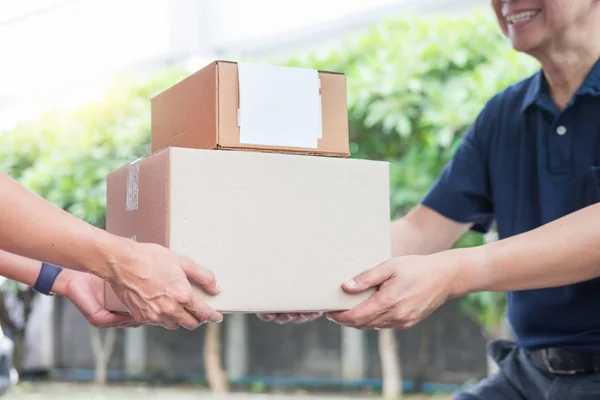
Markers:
249,106
281,232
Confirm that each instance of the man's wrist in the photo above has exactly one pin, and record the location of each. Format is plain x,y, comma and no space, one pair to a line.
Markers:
473,273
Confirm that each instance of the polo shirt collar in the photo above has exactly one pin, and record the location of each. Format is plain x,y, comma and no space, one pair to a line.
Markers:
591,85
538,88
534,91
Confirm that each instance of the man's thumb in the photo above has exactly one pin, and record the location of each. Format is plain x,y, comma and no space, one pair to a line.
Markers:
369,278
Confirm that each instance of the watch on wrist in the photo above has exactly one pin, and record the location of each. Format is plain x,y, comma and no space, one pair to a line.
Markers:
46,278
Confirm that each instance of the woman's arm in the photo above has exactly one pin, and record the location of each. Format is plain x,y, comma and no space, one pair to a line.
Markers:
36,229
151,280
26,271
85,291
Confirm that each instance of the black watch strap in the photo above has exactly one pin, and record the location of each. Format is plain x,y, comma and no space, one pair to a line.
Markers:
46,278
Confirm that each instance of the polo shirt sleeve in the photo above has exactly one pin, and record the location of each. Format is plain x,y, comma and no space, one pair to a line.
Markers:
462,191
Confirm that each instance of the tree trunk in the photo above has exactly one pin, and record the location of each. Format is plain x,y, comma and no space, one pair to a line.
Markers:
19,350
26,297
424,355
215,374
102,351
391,368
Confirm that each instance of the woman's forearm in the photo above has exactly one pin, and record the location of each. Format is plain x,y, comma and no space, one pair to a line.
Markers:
153,282
26,271
19,268
36,229
561,252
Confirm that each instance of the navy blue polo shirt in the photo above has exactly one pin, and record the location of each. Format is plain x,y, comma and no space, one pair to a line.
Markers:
525,163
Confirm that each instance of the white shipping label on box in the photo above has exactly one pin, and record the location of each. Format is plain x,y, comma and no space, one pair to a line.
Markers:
279,106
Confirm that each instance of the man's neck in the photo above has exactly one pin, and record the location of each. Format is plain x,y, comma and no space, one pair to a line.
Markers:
566,74
566,67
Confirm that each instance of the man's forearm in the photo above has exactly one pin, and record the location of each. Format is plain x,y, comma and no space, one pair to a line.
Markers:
423,231
26,271
559,253
36,229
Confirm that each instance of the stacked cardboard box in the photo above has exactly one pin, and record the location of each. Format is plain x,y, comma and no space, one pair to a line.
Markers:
250,177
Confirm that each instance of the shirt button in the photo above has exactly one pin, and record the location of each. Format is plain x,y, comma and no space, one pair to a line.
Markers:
561,130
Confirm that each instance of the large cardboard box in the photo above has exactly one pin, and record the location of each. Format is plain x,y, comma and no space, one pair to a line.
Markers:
281,232
249,106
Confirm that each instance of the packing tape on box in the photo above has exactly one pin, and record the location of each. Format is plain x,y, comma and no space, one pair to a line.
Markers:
133,181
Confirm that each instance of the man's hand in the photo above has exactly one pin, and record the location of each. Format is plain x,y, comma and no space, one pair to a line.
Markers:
86,291
152,281
409,290
284,318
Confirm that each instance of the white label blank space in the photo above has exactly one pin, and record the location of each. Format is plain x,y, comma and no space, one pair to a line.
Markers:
279,106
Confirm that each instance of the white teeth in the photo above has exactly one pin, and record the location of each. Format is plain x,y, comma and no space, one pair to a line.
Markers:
522,16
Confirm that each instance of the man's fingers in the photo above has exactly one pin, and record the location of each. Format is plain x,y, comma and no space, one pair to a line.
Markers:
308,317
369,278
200,276
267,317
381,321
284,318
311,315
366,311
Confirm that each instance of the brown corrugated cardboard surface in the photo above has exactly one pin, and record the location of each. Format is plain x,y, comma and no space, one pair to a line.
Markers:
185,115
281,232
201,112
144,217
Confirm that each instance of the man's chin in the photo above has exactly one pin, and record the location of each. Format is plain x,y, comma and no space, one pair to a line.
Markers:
525,43
523,46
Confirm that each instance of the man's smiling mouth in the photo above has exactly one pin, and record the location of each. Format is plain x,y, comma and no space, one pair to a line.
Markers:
522,16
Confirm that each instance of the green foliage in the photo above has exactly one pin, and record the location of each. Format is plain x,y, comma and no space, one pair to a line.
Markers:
66,154
487,307
258,387
415,84
10,286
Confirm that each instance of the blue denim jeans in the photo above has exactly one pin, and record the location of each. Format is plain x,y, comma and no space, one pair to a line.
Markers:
519,379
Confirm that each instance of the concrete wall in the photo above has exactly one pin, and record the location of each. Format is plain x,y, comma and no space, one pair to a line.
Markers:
456,348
